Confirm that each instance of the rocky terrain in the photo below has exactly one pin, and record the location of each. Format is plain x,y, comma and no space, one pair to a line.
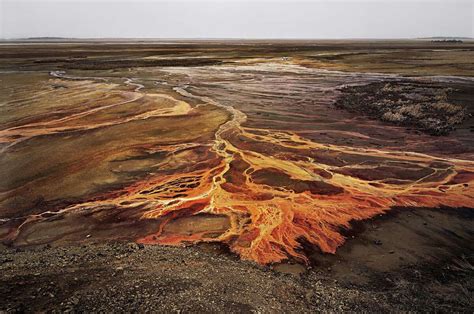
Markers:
128,277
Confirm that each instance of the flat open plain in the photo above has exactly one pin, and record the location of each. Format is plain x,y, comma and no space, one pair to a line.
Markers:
332,175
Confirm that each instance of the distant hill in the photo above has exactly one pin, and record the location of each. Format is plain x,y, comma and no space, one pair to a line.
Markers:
37,39
446,38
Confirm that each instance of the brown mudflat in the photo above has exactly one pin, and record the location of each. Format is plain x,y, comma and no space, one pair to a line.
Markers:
283,154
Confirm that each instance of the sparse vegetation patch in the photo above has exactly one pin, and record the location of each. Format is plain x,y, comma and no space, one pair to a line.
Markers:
420,105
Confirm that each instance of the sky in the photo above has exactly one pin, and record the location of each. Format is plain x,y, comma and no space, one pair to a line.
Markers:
318,19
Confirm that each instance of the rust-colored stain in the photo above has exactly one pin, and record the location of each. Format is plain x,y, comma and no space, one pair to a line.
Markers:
250,156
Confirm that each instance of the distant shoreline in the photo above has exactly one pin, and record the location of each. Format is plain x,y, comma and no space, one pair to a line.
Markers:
126,39
444,44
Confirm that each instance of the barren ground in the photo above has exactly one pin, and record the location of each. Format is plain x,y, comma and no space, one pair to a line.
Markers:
236,176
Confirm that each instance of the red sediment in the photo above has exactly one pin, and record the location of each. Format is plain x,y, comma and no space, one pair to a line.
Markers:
263,193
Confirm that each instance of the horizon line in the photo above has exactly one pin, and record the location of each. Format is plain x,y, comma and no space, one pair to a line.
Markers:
54,38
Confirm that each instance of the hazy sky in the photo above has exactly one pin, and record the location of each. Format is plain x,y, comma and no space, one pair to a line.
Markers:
236,19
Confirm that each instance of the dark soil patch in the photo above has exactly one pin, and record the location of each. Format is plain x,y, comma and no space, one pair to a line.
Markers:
424,106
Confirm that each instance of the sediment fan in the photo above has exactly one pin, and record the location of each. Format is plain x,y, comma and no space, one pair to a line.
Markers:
196,169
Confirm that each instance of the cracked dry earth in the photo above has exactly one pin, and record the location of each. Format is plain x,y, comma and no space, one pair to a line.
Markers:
250,155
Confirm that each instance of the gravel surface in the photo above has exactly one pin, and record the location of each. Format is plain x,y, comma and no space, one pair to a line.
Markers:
128,277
